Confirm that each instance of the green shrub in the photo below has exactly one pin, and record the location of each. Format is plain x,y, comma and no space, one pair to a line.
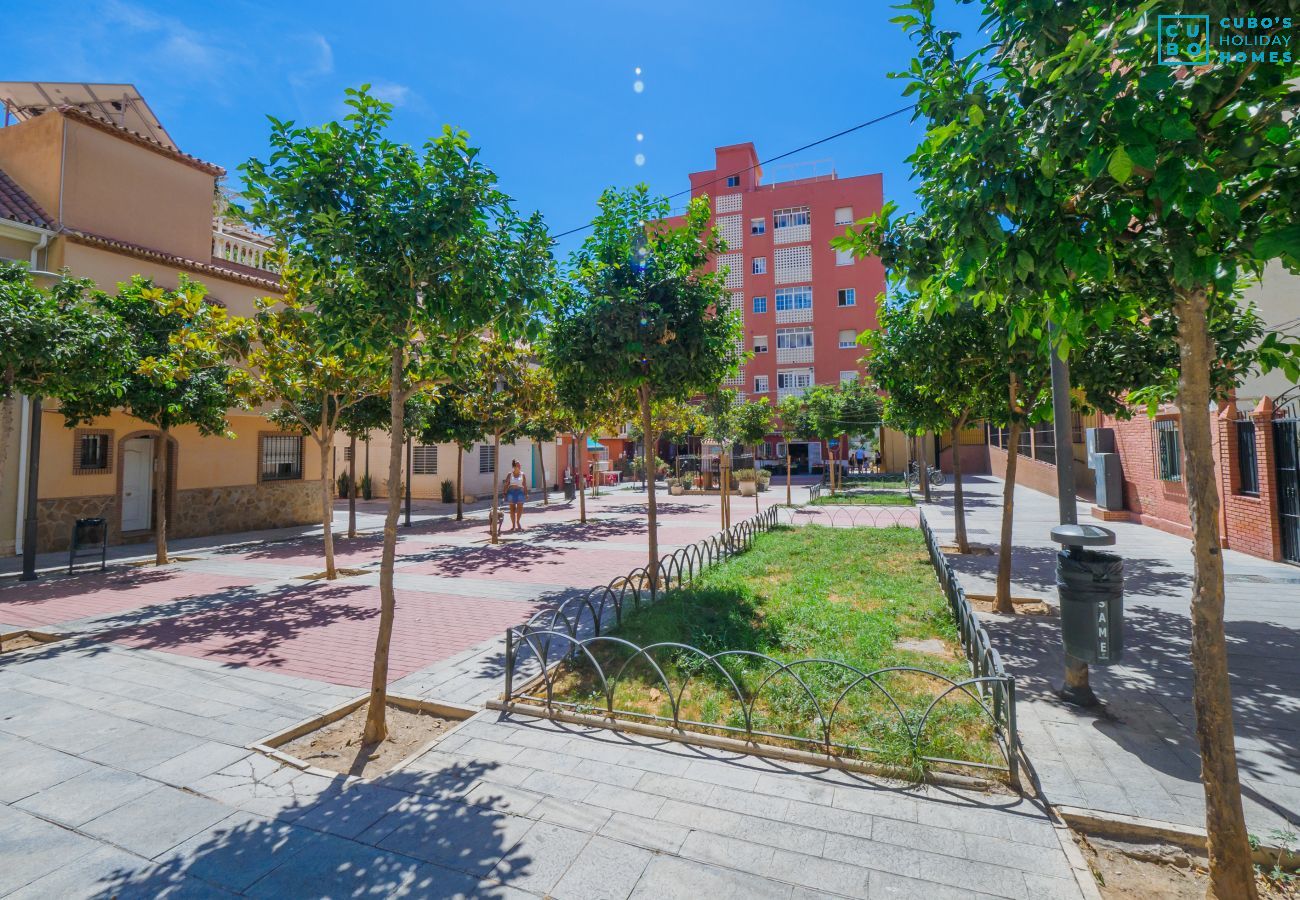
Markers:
448,488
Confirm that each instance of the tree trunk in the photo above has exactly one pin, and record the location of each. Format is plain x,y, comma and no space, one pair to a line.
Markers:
958,500
925,468
327,509
1002,600
1231,870
582,477
376,717
789,474
541,463
160,498
647,429
7,404
756,481
494,531
460,490
352,486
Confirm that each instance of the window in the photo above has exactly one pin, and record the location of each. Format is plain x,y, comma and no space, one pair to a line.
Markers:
794,338
424,459
791,217
760,384
847,376
91,452
800,379
846,297
487,459
758,226
793,298
758,265
844,215
347,454
733,181
843,257
281,457
848,339
1168,452
760,343
1247,458
760,305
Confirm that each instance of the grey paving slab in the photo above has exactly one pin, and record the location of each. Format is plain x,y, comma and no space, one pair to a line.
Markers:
1139,756
32,848
157,821
541,857
93,875
673,878
87,796
604,870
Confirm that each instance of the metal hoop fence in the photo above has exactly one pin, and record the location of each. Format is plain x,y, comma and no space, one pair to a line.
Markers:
835,700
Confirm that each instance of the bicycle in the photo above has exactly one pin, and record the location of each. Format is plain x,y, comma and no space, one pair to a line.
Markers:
912,478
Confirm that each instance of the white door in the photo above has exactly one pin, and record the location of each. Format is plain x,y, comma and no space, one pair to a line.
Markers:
137,484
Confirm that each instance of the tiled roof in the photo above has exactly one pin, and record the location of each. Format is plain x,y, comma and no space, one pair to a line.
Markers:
229,274
16,206
81,115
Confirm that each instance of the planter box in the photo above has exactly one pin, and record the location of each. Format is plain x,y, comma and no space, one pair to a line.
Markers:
748,488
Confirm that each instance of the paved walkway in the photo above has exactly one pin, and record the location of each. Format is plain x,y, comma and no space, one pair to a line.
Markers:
126,772
1137,756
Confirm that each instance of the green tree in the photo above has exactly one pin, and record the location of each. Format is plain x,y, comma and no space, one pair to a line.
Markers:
792,419
450,421
57,343
494,397
437,254
152,319
823,408
643,317
543,417
281,356
938,374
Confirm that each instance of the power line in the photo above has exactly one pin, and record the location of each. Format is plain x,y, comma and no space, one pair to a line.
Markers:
839,134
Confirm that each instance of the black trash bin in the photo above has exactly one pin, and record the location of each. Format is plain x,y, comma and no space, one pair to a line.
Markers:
570,491
1090,585
89,539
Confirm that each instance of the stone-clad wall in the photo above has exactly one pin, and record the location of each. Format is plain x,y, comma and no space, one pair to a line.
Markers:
196,512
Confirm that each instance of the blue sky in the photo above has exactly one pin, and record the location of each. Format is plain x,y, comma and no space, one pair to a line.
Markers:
546,89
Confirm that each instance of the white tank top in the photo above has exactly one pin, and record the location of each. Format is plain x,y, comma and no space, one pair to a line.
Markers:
516,480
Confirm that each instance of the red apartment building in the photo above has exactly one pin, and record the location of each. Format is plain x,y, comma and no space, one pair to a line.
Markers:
803,302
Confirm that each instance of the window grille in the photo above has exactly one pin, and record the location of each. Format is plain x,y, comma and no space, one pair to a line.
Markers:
1247,457
734,264
728,203
760,304
1167,449
281,457
731,231
487,459
347,454
424,459
793,263
92,452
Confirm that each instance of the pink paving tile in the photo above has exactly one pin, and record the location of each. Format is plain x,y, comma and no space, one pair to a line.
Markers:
48,602
327,632
312,553
522,563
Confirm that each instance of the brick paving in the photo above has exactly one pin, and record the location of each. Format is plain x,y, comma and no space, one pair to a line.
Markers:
127,773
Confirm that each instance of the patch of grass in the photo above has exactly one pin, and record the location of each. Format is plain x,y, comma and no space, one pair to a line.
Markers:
862,496
837,595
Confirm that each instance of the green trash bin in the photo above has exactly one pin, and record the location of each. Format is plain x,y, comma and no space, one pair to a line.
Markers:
1090,585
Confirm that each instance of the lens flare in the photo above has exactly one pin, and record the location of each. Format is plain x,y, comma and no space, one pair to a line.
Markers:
638,85
639,159
639,137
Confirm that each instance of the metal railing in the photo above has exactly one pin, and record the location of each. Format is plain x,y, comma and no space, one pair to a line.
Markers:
556,641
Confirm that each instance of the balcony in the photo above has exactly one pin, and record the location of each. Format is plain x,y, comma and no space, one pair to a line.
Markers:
782,393
240,249
794,355
792,234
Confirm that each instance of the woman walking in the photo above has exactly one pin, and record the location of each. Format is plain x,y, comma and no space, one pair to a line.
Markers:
516,493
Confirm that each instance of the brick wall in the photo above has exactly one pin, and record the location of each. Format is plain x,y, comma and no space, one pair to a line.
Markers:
1250,522
1149,500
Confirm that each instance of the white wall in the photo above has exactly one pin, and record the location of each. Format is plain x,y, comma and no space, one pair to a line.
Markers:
1277,297
476,483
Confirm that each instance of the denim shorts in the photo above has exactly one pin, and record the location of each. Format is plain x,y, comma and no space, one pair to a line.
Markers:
515,495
